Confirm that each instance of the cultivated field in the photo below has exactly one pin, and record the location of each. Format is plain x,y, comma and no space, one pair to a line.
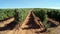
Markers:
30,21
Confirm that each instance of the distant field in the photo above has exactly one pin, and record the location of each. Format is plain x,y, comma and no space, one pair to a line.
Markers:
20,14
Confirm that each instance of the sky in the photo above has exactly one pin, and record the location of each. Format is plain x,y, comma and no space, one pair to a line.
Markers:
30,4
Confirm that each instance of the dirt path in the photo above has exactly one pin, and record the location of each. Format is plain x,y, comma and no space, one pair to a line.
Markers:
53,21
5,22
31,25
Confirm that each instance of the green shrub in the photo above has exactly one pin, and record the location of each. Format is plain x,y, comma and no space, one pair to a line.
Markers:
19,14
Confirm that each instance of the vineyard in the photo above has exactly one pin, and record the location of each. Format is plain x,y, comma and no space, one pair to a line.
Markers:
33,19
20,14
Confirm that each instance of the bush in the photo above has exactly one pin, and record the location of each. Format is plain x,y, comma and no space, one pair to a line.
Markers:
19,14
54,14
